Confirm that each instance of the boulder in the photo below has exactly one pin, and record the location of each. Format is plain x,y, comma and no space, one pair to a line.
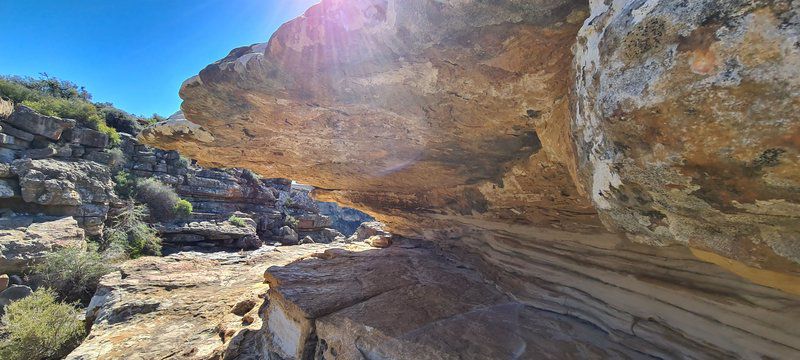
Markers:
89,137
17,133
24,240
9,188
51,127
4,282
286,236
58,182
6,107
369,229
11,294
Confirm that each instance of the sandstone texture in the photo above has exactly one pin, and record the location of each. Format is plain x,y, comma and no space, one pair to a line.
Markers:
687,125
24,240
412,302
632,164
184,306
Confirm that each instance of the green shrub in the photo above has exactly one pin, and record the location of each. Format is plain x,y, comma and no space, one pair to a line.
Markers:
160,198
37,327
132,233
72,272
82,111
236,221
183,209
291,221
124,184
16,92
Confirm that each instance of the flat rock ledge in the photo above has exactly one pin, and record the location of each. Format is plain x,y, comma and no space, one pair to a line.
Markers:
190,305
411,301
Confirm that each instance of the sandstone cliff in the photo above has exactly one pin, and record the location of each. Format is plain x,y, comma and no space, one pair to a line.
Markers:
629,163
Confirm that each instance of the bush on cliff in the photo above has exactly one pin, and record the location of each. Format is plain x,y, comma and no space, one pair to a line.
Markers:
236,221
53,97
72,272
160,198
131,233
183,209
82,111
38,327
124,184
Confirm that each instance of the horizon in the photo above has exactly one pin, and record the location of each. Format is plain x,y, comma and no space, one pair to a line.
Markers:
134,55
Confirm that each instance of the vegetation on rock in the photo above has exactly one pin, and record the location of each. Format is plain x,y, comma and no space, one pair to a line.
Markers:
73,273
236,221
160,198
131,233
183,209
51,96
38,327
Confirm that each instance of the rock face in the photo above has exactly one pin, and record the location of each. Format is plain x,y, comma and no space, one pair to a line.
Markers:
673,124
346,305
23,240
688,127
187,306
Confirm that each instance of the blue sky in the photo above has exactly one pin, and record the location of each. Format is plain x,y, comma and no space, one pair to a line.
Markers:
133,53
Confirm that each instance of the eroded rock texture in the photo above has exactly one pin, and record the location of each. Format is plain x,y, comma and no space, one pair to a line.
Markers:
476,125
688,126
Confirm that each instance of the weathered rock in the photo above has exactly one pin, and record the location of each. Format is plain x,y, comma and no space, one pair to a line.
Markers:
11,294
9,188
187,305
5,171
6,107
38,154
369,229
17,133
4,282
89,137
28,120
287,236
346,305
686,125
454,121
223,232
57,182
24,240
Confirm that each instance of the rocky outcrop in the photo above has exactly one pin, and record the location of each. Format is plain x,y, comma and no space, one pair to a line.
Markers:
687,126
346,304
187,305
25,239
50,166
212,234
474,124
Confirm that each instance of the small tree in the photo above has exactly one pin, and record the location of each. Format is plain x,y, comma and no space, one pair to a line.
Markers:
37,327
132,233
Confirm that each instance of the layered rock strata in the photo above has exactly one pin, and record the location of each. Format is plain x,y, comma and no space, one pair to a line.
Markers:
411,302
475,124
58,168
